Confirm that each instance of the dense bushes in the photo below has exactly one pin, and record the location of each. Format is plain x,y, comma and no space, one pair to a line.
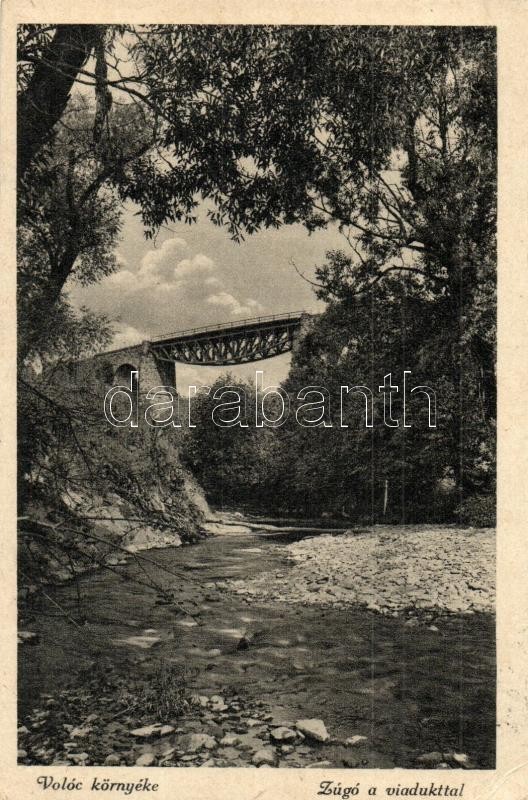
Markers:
478,511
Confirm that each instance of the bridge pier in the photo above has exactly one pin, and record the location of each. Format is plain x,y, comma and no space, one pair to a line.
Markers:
114,367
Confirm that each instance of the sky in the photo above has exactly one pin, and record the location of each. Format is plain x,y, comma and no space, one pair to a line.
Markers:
196,275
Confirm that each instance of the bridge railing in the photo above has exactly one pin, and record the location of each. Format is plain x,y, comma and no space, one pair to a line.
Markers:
240,323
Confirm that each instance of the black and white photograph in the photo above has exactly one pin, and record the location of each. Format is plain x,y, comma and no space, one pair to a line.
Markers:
256,401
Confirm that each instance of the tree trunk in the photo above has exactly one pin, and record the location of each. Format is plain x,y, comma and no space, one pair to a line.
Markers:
484,353
42,103
42,306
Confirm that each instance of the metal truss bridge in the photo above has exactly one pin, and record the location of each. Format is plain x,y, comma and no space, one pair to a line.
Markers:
237,342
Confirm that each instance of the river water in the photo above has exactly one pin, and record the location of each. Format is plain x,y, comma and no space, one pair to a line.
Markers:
408,690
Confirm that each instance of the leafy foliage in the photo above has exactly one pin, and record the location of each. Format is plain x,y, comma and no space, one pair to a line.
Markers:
479,511
69,216
230,463
357,343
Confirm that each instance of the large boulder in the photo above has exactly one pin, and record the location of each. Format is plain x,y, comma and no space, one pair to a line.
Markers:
283,734
193,742
265,757
313,729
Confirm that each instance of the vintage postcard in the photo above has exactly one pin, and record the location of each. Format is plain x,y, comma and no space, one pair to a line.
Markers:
264,321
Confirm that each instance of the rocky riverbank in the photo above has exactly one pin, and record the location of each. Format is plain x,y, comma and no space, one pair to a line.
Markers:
416,571
260,638
212,731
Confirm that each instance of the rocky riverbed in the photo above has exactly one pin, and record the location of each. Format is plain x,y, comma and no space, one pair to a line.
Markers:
409,569
215,731
367,649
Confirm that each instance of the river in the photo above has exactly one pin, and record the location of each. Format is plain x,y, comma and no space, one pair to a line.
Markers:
408,691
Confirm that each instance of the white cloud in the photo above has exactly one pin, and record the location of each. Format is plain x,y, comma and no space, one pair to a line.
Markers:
234,306
165,289
158,271
123,278
192,266
159,262
126,336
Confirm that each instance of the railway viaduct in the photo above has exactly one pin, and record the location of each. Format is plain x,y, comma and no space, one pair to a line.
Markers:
230,343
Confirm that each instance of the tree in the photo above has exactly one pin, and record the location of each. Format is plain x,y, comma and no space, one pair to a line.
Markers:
230,463
390,133
453,351
356,342
69,213
72,151
50,59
